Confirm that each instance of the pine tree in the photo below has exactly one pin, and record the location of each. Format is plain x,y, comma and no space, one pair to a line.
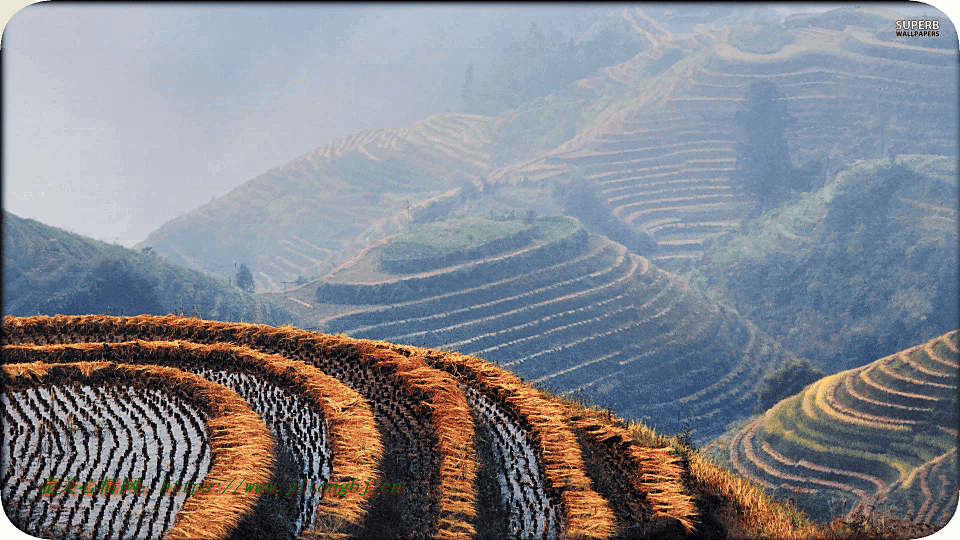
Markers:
467,99
244,279
763,160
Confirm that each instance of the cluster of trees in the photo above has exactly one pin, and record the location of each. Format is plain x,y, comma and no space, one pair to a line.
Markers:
786,381
543,61
870,283
764,167
244,279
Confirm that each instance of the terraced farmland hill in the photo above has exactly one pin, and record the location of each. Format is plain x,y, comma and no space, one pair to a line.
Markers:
663,149
654,137
570,311
183,428
883,435
310,215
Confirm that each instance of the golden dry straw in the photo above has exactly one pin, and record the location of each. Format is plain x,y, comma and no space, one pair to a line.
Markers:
354,439
655,472
240,442
438,395
587,514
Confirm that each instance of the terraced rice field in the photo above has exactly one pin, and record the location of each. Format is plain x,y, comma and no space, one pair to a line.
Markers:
664,166
181,428
594,319
881,434
462,138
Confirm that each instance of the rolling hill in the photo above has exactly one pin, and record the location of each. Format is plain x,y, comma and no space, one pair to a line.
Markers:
50,271
318,210
883,435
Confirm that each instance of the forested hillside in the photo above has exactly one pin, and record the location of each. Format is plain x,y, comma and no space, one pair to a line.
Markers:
49,271
858,269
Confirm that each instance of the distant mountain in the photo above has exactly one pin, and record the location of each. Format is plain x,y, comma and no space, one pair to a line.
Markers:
883,435
49,271
653,137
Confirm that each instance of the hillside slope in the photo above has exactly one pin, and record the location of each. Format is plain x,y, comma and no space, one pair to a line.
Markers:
50,271
883,435
856,270
569,311
445,425
661,149
316,211
226,430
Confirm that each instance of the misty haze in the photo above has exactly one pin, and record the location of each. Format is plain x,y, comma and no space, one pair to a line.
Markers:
480,271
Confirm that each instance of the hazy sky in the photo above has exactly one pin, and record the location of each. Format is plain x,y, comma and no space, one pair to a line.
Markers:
118,118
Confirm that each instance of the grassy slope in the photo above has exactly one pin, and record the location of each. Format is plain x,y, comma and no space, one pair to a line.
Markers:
843,288
47,270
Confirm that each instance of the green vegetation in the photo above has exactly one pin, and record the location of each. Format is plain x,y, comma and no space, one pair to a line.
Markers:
763,167
786,381
856,270
446,237
49,271
245,278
